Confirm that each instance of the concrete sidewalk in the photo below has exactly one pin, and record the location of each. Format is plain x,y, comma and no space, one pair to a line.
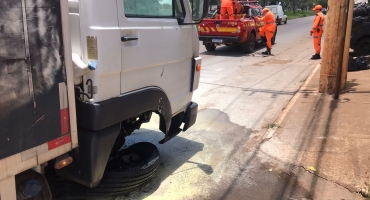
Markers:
328,138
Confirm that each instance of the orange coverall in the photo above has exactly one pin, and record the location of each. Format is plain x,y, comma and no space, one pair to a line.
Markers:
269,28
317,31
227,5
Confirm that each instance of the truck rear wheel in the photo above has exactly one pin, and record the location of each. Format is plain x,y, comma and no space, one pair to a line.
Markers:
249,46
32,185
210,46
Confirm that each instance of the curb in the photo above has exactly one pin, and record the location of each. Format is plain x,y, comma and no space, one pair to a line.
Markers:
270,132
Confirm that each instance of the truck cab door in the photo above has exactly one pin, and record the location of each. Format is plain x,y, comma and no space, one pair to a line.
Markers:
155,50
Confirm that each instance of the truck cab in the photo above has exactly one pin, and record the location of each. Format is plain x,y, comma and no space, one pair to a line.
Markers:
79,76
131,58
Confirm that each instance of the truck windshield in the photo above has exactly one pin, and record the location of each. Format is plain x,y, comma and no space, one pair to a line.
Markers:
148,8
273,10
198,9
256,12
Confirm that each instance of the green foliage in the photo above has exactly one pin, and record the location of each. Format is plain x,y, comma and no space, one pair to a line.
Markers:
302,13
213,2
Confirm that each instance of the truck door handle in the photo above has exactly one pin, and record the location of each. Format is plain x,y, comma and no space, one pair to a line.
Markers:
125,39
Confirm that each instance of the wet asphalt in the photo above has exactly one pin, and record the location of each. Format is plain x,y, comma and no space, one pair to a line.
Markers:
239,97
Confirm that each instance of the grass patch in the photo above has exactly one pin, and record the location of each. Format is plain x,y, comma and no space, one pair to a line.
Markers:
301,13
271,125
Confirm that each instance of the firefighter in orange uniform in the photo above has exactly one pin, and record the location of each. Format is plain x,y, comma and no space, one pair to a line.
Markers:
317,31
268,30
227,5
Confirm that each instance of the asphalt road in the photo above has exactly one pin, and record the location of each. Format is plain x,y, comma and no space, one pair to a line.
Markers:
239,96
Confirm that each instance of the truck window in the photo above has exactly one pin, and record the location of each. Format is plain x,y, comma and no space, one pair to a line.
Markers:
179,9
256,12
153,8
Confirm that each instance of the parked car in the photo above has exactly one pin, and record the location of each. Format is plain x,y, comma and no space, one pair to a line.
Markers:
279,13
324,11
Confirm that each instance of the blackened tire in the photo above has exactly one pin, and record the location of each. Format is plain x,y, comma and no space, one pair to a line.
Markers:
250,45
286,21
210,46
106,189
360,10
122,177
362,47
136,160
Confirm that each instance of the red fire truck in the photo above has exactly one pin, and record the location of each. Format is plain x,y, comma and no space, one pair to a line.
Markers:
242,30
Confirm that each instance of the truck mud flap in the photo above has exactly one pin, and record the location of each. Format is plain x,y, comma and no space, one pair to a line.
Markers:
188,118
91,157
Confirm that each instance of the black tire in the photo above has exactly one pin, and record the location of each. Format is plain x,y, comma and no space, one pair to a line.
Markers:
361,10
44,194
286,21
250,45
362,47
106,190
137,160
210,46
127,180
279,22
114,189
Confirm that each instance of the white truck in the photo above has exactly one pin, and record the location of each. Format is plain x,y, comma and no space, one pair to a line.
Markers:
78,76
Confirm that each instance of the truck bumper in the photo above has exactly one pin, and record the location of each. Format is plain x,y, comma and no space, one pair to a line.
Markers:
208,39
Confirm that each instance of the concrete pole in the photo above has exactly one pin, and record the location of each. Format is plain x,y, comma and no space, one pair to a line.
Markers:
332,56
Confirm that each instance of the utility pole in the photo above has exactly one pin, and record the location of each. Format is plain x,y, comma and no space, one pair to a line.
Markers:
336,47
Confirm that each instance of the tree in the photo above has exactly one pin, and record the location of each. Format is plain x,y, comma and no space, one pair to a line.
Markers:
214,2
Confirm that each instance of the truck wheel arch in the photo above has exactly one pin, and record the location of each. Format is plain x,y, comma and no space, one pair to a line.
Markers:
97,116
99,128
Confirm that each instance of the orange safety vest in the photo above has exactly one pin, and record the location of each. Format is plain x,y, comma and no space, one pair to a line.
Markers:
226,3
269,20
318,23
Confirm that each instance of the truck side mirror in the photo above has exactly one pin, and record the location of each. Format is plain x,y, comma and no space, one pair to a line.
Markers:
200,9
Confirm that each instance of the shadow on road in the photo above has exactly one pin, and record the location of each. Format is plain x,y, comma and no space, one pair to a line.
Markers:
231,51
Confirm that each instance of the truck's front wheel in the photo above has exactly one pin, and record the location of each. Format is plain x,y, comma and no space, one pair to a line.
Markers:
210,46
249,46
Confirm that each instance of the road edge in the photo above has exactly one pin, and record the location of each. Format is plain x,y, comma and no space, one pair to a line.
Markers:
270,132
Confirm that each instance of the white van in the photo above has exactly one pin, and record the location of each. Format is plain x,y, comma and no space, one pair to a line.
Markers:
279,14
